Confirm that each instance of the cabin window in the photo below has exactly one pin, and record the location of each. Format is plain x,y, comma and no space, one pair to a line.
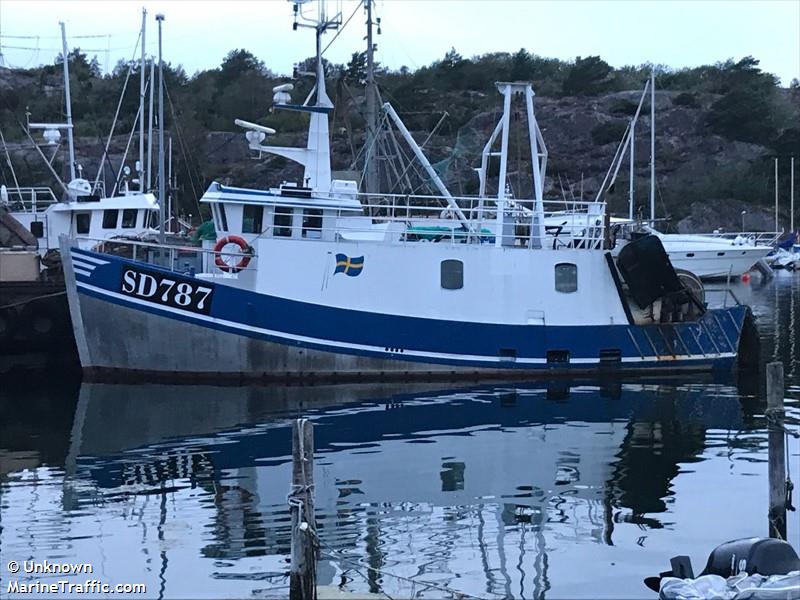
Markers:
151,219
110,218
312,223
129,218
82,221
252,219
223,218
283,221
452,274
566,278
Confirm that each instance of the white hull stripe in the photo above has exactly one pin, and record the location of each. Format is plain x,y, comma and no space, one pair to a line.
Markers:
83,265
86,257
82,272
333,346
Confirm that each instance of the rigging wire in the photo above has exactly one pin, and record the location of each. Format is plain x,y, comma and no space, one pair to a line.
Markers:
339,31
8,159
116,115
184,152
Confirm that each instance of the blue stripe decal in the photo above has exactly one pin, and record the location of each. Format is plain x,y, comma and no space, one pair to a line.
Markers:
415,334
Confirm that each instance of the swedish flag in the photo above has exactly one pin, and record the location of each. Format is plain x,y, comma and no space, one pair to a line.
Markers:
349,266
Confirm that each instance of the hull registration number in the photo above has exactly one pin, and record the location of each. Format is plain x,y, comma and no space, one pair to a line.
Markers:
160,288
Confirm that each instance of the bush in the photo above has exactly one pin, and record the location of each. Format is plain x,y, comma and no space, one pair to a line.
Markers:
611,131
745,115
624,107
686,99
588,77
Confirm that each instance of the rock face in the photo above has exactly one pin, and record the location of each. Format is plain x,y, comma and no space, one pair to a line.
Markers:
726,214
581,134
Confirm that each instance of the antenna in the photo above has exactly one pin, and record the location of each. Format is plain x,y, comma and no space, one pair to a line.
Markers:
68,103
371,167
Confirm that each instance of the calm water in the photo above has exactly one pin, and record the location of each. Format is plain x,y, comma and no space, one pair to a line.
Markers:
559,490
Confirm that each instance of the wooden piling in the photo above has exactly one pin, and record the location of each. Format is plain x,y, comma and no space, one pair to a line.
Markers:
776,452
303,567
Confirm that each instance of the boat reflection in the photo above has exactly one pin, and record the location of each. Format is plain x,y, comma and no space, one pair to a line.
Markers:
415,481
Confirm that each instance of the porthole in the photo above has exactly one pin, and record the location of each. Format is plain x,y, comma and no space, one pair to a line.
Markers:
452,274
566,278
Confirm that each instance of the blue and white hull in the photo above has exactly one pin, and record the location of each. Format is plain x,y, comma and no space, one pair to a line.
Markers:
195,327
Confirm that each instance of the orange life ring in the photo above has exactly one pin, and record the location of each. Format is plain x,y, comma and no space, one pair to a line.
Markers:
243,262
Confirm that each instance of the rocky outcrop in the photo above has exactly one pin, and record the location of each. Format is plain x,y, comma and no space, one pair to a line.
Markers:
581,133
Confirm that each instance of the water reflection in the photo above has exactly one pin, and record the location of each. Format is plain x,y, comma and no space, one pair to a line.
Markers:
561,489
474,488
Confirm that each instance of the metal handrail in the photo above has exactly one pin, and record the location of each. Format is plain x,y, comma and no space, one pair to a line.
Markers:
32,196
173,250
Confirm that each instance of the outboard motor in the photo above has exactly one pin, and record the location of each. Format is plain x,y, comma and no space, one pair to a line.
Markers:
764,556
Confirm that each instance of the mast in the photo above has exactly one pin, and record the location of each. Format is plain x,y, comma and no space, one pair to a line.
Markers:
150,127
791,198
652,145
162,205
630,140
68,103
171,187
777,228
372,125
142,65
630,179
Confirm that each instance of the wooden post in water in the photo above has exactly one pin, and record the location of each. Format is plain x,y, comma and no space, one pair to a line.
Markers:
303,568
777,451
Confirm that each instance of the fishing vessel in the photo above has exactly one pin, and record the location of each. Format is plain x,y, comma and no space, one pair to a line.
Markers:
333,284
83,210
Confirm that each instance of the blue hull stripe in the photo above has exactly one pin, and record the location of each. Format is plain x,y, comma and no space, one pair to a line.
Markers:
713,339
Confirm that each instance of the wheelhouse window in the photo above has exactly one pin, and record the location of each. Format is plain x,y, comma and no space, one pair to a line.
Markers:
312,223
82,222
129,218
151,219
566,278
283,221
252,218
110,216
452,274
223,218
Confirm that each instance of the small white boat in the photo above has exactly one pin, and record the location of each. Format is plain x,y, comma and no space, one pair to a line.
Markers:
712,256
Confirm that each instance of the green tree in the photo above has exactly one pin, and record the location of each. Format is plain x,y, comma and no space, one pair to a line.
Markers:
587,77
238,63
521,65
746,111
356,70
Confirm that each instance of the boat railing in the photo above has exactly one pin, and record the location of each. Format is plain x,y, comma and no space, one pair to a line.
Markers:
750,238
470,219
177,258
30,199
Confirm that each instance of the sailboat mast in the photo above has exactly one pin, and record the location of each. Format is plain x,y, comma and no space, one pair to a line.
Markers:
791,197
162,198
68,103
150,127
372,128
630,179
777,228
142,65
652,145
